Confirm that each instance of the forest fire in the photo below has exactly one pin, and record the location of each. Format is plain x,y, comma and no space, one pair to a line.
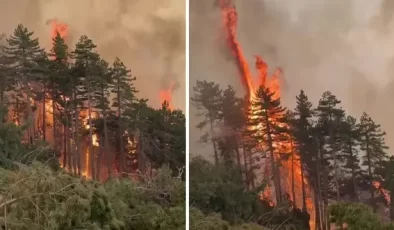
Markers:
58,27
166,95
62,29
385,192
291,168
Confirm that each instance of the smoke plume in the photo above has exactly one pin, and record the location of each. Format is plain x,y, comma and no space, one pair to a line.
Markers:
148,35
343,46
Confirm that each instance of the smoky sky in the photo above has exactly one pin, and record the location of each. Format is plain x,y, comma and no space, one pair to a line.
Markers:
346,47
148,35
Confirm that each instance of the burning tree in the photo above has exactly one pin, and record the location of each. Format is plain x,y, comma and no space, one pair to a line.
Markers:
267,122
373,143
309,152
86,109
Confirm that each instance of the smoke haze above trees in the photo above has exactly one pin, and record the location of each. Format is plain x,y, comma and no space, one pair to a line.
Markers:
147,35
344,47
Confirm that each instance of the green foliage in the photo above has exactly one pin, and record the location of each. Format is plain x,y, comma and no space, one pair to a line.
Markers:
36,197
13,152
373,143
157,203
219,200
356,216
220,189
213,221
200,221
123,87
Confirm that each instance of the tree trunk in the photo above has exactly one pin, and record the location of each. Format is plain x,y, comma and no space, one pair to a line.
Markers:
106,145
237,153
317,210
325,197
273,164
292,175
68,148
141,153
65,155
30,117
16,112
91,150
304,209
44,116
319,160
119,159
54,121
99,157
1,95
334,154
372,188
247,180
354,183
252,179
67,145
391,205
214,143
77,143
73,149
2,103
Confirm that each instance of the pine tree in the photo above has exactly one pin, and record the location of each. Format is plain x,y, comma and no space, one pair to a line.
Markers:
3,74
124,100
177,139
289,138
302,130
207,99
86,61
59,87
330,117
387,174
268,120
351,136
233,116
21,53
101,103
374,146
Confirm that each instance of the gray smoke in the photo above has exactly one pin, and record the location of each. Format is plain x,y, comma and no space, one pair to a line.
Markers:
148,35
343,46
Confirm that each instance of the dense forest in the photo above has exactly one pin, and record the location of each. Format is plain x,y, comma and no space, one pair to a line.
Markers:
78,148
310,167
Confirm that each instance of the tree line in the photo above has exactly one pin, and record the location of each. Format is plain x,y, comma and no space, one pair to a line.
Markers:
342,158
76,101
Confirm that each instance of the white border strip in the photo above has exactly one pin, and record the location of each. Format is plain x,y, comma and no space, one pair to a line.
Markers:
187,113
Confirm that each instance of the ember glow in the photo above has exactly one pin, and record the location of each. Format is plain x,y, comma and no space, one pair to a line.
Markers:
58,27
385,192
251,84
166,95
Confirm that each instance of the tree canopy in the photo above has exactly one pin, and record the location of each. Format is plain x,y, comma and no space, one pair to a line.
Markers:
78,148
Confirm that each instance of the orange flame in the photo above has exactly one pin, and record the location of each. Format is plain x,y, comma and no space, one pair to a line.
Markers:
166,95
385,192
230,18
58,27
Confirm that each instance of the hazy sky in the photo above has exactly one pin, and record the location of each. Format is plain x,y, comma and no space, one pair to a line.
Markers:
346,47
148,35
